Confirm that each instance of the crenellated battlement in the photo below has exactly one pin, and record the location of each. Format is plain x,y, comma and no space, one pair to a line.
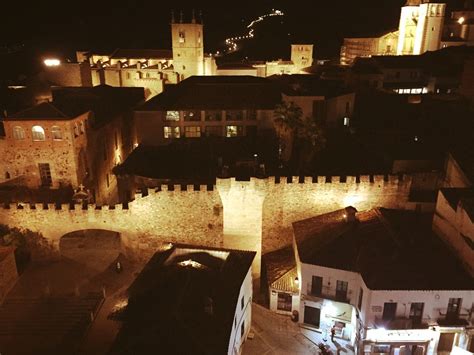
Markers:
313,181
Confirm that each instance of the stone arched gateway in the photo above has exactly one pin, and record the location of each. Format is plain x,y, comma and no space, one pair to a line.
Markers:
95,249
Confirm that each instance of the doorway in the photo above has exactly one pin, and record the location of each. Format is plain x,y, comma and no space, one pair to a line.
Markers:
446,341
312,316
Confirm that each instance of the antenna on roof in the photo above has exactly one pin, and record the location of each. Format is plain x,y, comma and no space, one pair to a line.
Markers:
172,16
181,17
194,17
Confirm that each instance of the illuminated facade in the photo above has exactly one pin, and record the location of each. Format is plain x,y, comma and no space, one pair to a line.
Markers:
366,47
339,280
75,140
152,69
421,27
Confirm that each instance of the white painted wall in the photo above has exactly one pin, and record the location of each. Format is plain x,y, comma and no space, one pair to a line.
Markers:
243,315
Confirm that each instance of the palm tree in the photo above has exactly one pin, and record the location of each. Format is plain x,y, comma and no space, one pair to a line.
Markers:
287,119
312,140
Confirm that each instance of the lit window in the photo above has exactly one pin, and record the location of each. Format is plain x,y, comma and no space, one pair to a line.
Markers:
346,121
56,133
18,133
38,133
192,131
172,115
284,301
234,131
182,37
171,132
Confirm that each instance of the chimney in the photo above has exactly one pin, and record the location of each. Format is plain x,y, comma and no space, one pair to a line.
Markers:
350,214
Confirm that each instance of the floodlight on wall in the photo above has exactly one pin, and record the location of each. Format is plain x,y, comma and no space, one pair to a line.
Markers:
51,62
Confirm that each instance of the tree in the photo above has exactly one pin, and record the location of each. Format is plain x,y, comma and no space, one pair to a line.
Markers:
287,119
312,140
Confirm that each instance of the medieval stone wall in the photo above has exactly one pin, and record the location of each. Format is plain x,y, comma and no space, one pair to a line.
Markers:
254,215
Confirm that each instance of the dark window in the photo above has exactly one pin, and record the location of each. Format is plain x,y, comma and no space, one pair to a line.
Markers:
284,301
234,115
45,174
252,115
214,131
316,285
416,312
389,311
242,303
107,180
361,296
192,115
242,329
7,175
341,290
213,115
454,307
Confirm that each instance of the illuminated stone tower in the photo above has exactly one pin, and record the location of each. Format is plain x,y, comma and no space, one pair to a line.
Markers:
301,56
421,26
188,47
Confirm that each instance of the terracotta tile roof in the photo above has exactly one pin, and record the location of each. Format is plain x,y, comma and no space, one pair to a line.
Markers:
391,249
43,111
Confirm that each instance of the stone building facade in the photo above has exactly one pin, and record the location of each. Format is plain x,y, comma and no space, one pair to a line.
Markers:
45,148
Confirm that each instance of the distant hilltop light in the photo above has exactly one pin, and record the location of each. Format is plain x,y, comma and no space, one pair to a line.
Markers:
52,62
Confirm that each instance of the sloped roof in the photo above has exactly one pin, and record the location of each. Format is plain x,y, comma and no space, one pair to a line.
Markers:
43,111
142,53
391,249
216,92
105,101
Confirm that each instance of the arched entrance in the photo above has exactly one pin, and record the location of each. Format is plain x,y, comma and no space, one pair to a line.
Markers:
94,248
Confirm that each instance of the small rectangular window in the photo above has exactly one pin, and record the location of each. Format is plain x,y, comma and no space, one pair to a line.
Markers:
56,133
284,301
18,133
108,180
171,132
213,115
182,37
192,115
234,131
172,115
361,297
45,174
234,115
192,131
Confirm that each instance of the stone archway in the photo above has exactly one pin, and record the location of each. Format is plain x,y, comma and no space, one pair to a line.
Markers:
94,248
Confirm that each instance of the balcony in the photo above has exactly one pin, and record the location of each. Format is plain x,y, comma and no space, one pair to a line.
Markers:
402,323
329,293
445,319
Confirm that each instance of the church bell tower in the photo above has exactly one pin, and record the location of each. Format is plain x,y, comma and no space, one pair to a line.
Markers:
188,46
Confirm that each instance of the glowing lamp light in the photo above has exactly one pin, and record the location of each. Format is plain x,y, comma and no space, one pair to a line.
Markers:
353,200
52,62
461,20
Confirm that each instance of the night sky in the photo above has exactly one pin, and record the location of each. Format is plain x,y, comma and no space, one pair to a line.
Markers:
60,27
